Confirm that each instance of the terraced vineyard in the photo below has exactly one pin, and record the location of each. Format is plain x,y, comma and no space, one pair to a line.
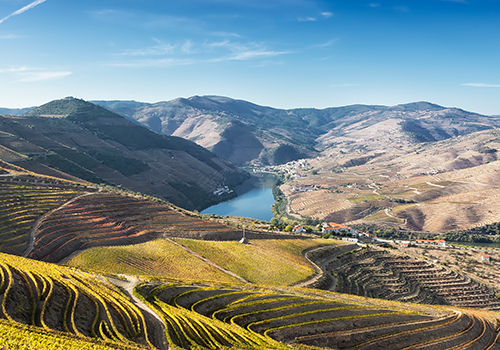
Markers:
377,273
23,199
213,317
58,299
102,219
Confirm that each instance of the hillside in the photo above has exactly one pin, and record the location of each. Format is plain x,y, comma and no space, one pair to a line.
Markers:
436,186
244,132
96,145
178,281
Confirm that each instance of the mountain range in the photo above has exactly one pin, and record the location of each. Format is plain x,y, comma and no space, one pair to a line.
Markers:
91,143
246,133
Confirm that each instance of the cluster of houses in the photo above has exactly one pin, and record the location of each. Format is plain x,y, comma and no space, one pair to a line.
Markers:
343,230
355,236
221,190
425,242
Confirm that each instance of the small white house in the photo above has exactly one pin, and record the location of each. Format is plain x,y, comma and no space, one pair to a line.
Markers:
485,257
299,229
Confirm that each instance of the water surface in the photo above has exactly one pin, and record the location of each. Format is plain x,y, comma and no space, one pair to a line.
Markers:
255,198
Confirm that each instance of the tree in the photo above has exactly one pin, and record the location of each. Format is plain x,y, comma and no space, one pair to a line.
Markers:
288,228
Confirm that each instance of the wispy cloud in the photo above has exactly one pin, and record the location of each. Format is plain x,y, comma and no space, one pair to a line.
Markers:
328,43
374,5
26,74
22,10
326,14
307,19
9,36
188,53
402,8
40,76
481,85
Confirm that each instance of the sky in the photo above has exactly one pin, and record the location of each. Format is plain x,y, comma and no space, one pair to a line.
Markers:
278,53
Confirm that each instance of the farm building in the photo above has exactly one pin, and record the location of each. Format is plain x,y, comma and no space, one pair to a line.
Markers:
332,227
299,228
485,257
429,242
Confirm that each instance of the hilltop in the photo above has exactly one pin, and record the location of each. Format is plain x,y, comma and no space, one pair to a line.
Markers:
244,132
91,143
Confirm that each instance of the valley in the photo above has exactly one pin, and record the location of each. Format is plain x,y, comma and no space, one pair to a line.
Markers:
95,254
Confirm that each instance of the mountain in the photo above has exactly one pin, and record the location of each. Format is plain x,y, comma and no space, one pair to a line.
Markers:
243,132
100,146
15,111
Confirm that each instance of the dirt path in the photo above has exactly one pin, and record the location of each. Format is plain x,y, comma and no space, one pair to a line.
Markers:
320,258
388,212
208,261
31,238
156,327
435,185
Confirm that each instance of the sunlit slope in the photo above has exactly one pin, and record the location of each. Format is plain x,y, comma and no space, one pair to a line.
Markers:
433,186
14,335
212,317
378,273
273,262
59,299
113,219
23,199
159,259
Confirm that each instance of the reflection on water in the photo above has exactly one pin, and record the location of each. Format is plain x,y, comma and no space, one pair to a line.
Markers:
480,245
254,201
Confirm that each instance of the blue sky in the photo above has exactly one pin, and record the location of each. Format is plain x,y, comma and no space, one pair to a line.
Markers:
280,53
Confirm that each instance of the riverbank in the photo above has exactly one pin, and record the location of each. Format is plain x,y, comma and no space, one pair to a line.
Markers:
255,199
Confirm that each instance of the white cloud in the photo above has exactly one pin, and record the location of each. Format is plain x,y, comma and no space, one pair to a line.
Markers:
326,14
188,53
481,85
402,8
14,70
22,10
328,43
374,5
40,76
27,74
307,19
9,36
253,54
160,62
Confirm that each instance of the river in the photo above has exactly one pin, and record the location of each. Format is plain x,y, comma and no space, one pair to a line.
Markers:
478,245
255,198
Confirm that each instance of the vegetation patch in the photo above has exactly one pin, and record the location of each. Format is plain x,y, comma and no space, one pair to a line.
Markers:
158,259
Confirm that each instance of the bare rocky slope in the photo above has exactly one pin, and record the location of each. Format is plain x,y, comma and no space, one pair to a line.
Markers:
244,132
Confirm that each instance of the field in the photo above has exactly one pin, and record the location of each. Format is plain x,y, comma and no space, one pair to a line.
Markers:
276,262
453,185
159,259
23,199
380,273
212,317
58,299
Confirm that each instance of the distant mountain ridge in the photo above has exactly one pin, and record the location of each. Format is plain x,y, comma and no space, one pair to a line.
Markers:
100,146
243,132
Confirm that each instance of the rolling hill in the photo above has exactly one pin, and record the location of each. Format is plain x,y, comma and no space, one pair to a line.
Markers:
96,145
176,280
244,132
